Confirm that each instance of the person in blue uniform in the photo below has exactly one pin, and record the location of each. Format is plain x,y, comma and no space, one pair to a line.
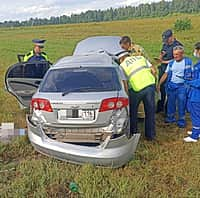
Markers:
36,54
166,55
175,74
194,99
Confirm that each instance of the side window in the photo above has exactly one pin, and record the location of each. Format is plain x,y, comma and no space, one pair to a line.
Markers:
42,69
29,70
16,72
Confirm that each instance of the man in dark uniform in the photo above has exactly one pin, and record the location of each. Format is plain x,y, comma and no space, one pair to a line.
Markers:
36,54
166,55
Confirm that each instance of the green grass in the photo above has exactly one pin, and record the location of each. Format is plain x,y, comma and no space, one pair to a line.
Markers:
165,168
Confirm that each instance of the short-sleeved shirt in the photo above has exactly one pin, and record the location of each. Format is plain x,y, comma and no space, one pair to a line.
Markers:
168,49
122,74
177,69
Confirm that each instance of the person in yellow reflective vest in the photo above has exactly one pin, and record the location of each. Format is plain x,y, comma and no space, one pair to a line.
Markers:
36,54
134,50
141,79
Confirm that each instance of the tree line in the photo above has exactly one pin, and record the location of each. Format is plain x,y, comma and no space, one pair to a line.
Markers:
159,9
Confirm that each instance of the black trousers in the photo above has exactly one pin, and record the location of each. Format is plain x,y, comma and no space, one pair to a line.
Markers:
147,95
161,104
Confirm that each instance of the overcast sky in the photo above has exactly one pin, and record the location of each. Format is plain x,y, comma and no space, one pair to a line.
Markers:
25,9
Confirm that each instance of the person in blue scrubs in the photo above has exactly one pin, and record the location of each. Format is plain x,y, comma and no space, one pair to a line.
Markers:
194,99
175,74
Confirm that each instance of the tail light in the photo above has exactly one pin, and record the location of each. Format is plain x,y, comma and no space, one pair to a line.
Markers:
113,104
41,104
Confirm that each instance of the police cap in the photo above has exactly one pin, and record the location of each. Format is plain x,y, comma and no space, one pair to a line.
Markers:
39,42
166,35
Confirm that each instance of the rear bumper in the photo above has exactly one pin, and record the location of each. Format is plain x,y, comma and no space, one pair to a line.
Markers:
112,152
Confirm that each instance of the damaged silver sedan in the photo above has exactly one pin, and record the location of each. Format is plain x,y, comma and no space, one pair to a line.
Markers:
80,111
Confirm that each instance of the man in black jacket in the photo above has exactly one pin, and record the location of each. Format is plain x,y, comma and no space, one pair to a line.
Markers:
166,55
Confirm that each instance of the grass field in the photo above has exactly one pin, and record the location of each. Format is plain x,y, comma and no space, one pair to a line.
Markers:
165,168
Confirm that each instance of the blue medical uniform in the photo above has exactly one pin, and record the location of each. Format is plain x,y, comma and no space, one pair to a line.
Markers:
176,90
194,101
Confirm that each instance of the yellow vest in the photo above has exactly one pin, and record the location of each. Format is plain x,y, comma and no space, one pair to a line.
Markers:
138,72
31,53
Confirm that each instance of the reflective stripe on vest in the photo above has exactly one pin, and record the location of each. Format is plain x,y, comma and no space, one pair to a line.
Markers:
136,70
138,73
29,55
44,55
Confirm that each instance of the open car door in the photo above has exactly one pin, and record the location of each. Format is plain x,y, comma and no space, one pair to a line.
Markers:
22,80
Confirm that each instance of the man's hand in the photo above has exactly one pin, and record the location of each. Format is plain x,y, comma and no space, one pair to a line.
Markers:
161,55
157,60
158,88
126,86
161,58
153,70
165,61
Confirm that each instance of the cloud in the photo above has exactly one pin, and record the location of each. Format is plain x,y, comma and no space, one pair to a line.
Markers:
23,9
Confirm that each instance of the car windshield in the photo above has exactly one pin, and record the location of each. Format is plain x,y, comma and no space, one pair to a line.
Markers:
87,79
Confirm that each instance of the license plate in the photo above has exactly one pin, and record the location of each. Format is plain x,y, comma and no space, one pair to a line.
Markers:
87,114
76,114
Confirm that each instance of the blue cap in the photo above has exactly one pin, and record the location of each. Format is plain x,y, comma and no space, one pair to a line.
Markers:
39,42
166,35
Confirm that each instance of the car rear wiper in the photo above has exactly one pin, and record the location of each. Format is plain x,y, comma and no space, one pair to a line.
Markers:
70,90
